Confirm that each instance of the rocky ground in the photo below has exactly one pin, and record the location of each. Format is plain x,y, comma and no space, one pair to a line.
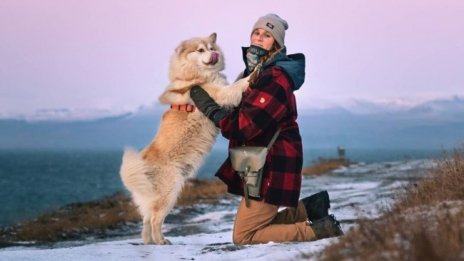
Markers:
117,215
112,216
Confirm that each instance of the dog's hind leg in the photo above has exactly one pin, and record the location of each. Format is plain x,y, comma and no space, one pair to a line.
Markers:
146,231
159,213
161,209
157,221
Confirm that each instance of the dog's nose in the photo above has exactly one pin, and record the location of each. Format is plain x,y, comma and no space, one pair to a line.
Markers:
214,58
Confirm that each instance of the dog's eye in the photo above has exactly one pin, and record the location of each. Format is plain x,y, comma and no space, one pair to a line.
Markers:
211,49
201,50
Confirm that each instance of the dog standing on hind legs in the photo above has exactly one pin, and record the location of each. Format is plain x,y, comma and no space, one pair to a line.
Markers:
155,176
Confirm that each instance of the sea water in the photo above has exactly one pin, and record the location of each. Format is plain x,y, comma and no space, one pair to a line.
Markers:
33,182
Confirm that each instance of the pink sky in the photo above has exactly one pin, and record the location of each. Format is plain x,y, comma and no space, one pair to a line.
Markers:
114,54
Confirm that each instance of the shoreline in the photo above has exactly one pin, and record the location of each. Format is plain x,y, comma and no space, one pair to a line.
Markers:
323,166
423,219
115,215
111,216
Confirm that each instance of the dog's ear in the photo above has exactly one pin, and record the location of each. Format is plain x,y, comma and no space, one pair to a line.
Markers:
213,37
180,49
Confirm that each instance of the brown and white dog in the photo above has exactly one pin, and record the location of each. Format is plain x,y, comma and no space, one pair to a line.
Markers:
156,175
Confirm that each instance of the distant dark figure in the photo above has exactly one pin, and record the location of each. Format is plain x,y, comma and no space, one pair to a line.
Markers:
341,152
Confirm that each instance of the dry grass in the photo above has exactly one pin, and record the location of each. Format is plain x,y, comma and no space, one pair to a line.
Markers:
437,235
324,166
426,222
98,217
196,190
73,220
445,182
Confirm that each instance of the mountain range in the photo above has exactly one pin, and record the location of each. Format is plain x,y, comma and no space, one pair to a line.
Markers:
435,124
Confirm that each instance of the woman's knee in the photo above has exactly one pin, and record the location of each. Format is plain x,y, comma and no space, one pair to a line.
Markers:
241,239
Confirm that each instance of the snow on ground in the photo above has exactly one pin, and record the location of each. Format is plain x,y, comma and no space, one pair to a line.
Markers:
204,231
195,247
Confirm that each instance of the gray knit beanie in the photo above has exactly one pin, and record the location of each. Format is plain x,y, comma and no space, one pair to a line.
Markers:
274,25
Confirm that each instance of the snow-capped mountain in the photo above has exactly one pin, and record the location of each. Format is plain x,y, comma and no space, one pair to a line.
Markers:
453,106
433,124
439,107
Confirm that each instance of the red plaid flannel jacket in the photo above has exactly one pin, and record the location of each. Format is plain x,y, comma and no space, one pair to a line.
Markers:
270,104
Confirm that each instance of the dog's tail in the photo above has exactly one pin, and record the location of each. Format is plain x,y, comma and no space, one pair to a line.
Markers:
134,172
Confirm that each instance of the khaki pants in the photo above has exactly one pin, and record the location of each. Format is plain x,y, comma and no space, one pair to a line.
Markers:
262,223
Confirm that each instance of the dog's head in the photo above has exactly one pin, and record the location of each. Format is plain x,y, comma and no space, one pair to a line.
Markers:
196,59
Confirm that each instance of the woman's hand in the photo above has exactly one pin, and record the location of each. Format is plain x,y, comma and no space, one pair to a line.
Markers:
207,105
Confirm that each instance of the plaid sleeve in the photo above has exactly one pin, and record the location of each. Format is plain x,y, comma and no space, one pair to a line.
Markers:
262,108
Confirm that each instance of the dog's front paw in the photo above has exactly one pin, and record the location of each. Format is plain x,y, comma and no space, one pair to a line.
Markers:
244,83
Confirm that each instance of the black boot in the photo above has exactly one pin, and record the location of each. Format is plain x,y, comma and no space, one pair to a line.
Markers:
326,227
317,205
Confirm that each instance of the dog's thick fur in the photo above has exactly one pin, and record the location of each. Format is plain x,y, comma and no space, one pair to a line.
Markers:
156,175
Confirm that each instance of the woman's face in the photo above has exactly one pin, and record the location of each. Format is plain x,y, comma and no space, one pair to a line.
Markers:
262,38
